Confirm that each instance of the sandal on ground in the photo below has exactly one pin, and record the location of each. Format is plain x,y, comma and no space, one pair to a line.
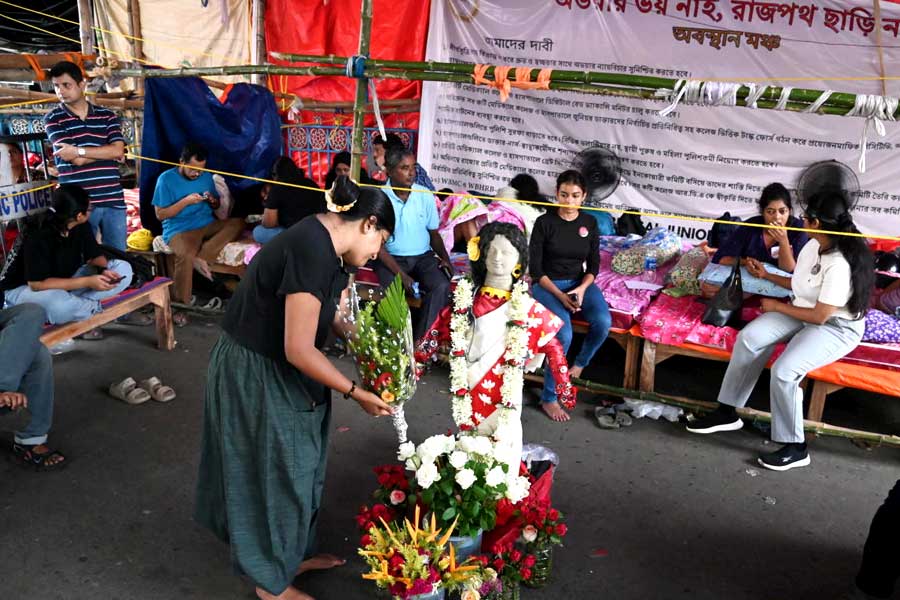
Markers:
136,318
606,418
127,391
26,456
93,334
180,318
158,391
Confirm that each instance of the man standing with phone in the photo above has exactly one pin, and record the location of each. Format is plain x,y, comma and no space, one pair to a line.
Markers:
185,200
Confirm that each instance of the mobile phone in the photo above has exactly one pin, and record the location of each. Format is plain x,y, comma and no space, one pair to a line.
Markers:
115,279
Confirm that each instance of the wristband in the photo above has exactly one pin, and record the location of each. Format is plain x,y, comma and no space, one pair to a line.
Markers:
352,389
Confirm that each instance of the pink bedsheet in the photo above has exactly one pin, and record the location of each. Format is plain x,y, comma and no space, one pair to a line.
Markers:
618,295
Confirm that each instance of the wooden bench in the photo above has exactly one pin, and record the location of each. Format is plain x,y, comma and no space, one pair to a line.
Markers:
155,292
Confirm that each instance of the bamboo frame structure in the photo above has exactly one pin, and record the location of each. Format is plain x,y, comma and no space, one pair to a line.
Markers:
362,93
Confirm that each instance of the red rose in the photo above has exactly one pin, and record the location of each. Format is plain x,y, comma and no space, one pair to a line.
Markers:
485,561
549,529
515,556
384,479
525,573
369,525
396,561
561,529
380,511
553,515
461,392
365,540
499,564
435,576
529,561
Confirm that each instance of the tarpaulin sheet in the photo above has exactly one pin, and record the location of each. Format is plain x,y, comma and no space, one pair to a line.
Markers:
242,132
399,30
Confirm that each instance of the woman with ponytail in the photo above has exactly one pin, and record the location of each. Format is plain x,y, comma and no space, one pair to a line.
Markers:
61,267
831,284
269,387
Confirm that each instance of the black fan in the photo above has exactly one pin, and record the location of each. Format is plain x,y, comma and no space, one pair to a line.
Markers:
828,176
601,169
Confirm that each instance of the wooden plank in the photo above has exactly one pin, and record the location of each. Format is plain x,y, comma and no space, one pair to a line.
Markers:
632,362
228,269
165,326
648,367
820,392
86,26
71,330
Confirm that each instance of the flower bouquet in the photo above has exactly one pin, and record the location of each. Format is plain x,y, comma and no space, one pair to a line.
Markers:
460,480
411,561
542,528
381,343
514,567
390,499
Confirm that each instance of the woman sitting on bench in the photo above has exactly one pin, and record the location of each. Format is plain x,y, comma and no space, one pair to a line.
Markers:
60,266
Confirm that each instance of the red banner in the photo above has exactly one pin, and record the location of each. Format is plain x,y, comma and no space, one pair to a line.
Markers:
399,31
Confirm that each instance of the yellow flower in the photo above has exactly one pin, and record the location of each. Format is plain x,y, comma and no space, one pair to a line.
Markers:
387,396
472,248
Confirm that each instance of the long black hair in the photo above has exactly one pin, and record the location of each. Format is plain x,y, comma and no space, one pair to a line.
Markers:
487,234
829,207
364,202
66,203
526,187
772,192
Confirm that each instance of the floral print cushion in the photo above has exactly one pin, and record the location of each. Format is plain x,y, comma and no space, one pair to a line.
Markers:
881,328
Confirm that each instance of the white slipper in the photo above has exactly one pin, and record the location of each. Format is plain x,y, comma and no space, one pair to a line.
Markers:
128,392
159,392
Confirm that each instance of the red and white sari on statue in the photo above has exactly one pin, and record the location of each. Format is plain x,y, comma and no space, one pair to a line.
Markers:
487,360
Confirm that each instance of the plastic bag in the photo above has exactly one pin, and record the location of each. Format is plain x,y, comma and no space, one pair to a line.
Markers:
684,276
725,306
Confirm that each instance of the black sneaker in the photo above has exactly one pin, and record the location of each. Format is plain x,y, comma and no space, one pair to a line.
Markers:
789,457
716,421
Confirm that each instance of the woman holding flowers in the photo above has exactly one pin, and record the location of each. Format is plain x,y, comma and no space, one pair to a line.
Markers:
496,331
268,395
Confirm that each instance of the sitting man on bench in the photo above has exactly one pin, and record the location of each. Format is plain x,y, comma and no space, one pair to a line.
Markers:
184,199
26,381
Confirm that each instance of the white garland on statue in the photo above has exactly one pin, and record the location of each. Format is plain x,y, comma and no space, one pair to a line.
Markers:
514,357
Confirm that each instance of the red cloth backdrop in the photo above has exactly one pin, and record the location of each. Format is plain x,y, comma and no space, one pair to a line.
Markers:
399,31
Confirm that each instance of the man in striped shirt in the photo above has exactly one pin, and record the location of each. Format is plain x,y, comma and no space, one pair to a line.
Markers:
87,145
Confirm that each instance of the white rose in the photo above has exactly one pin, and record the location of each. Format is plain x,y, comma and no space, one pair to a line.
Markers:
458,459
470,594
427,475
495,476
466,443
412,464
517,489
529,533
465,478
482,445
407,450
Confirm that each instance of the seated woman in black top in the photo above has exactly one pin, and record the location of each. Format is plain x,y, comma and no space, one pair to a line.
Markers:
268,394
775,246
563,242
340,165
285,204
60,265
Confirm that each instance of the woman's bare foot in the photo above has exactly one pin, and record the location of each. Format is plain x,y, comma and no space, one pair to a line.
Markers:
291,593
575,372
320,562
555,411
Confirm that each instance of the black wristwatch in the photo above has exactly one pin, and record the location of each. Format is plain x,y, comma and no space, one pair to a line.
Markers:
352,389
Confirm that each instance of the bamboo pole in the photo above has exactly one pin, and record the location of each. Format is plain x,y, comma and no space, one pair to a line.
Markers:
814,427
362,93
86,26
98,99
796,105
259,39
17,61
137,44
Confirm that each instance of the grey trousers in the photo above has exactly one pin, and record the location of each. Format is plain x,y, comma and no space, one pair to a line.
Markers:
809,347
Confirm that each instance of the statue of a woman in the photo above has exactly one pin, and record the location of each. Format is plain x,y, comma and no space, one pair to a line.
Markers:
496,331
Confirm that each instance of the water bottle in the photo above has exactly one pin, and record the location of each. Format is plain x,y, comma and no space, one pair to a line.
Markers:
649,274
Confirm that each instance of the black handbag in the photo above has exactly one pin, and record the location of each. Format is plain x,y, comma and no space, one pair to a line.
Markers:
630,224
142,268
720,231
725,306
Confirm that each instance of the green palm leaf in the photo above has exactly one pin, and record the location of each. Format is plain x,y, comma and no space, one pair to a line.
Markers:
393,310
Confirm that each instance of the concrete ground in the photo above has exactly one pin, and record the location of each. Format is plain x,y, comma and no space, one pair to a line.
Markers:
654,512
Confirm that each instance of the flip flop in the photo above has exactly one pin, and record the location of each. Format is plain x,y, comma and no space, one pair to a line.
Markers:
128,392
605,419
623,419
158,391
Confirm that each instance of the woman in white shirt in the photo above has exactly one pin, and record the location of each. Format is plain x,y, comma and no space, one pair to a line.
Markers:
823,322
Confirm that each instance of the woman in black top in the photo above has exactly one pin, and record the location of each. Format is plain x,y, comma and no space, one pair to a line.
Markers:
285,205
563,243
340,165
268,396
59,264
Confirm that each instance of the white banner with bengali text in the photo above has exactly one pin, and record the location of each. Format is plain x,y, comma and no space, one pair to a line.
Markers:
698,160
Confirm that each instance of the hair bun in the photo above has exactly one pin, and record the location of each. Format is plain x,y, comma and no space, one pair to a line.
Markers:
343,194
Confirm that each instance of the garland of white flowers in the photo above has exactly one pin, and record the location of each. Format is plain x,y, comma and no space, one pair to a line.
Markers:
514,357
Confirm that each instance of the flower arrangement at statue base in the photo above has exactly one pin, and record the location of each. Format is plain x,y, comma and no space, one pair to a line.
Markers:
541,529
459,480
410,561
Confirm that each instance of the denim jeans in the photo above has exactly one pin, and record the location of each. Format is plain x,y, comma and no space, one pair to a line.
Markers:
264,235
111,224
594,310
27,368
66,306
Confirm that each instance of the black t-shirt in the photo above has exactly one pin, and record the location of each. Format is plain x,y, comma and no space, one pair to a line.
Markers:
295,204
560,249
46,253
301,259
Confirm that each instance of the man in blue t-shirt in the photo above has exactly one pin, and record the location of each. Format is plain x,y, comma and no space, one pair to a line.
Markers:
184,200
416,251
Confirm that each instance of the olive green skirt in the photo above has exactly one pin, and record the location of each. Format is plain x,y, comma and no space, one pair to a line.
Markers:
262,465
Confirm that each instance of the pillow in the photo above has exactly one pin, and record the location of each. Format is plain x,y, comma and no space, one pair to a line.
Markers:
881,328
684,276
717,274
